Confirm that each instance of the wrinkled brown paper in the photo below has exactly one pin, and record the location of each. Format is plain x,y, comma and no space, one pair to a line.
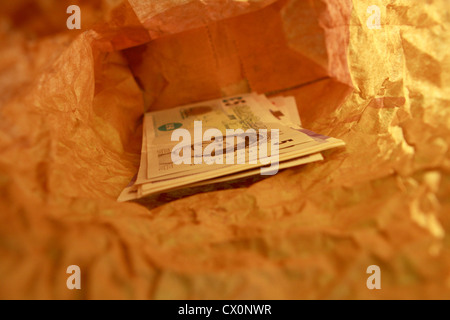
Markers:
71,105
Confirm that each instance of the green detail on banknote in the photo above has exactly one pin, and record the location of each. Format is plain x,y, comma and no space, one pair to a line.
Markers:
170,126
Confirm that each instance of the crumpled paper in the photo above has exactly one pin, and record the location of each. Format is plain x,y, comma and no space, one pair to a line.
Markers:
71,105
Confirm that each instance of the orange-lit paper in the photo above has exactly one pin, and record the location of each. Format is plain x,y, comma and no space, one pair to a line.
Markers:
71,106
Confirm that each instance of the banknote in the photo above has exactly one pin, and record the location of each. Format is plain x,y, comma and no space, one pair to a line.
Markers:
319,144
241,113
284,109
142,176
274,121
136,189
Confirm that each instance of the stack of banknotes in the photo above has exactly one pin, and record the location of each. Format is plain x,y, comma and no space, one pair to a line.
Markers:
222,140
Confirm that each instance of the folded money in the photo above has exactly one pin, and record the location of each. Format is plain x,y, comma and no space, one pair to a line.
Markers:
222,140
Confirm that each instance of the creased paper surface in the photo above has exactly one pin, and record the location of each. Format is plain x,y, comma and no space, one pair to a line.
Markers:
71,106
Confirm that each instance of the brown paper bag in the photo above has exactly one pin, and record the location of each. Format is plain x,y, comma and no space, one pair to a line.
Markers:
71,105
